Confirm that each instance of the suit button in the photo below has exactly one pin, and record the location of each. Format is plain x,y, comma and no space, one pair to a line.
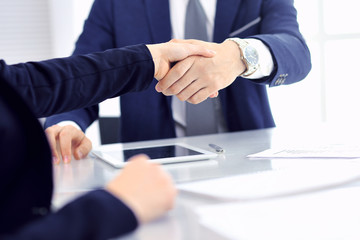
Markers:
284,78
281,79
278,81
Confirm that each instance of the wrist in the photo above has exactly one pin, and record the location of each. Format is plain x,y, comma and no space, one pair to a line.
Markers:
236,57
248,55
155,53
115,188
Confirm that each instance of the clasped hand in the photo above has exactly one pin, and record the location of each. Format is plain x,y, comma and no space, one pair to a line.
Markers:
198,77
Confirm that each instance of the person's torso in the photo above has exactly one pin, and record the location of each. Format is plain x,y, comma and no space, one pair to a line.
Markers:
26,172
148,115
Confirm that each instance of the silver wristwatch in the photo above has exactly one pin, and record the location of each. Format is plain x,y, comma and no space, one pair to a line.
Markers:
249,56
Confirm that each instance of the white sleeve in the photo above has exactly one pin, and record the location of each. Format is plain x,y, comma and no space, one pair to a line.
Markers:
266,63
64,123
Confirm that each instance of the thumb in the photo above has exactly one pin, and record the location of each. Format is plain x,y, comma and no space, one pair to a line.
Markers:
139,157
83,149
179,51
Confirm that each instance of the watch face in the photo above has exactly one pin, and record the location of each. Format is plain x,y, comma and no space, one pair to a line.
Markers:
251,55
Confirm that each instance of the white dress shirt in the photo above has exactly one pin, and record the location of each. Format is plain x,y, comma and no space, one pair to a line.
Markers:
177,17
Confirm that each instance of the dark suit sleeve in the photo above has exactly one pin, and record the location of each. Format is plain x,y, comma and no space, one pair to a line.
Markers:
280,32
107,219
97,36
83,117
98,33
61,85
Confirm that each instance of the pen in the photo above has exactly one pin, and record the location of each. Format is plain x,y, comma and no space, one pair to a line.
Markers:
217,148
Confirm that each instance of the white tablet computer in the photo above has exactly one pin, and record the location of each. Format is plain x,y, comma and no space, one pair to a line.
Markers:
117,155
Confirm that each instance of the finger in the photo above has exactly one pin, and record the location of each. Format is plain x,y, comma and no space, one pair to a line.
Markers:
181,84
178,86
175,40
191,90
83,149
172,190
67,136
139,158
51,134
175,73
191,41
214,95
180,51
199,96
193,49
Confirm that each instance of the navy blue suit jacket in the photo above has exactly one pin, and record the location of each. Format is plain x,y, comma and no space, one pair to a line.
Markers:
148,115
32,90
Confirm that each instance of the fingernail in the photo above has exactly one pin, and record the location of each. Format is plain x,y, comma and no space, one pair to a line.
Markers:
80,154
158,88
55,160
211,51
66,159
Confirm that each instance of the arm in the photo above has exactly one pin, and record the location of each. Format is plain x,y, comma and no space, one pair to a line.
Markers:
278,30
97,35
65,84
96,215
109,213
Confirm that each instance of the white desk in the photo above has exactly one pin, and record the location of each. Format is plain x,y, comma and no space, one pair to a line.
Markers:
182,223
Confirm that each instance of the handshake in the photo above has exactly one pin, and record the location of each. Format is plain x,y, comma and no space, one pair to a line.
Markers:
191,70
194,70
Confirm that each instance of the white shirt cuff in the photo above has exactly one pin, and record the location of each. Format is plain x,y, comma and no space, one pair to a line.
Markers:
266,63
64,123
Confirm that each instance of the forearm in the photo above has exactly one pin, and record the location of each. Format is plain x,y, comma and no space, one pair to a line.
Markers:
62,85
279,31
291,56
96,215
266,63
82,117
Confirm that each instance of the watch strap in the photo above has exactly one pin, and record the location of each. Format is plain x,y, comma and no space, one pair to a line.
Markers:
243,44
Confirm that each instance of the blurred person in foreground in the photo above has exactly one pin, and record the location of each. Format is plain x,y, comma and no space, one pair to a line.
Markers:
141,192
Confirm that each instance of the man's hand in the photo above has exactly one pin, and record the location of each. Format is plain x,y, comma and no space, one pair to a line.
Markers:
145,187
196,78
67,141
164,54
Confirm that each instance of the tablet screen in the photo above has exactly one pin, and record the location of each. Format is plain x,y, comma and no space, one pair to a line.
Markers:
162,153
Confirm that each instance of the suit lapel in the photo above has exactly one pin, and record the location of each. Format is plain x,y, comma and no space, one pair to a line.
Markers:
226,11
158,14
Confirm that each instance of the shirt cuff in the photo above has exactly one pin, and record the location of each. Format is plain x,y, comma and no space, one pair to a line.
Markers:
266,63
64,123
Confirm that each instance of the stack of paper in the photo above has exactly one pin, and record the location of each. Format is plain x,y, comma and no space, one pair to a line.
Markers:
326,215
293,202
275,183
321,151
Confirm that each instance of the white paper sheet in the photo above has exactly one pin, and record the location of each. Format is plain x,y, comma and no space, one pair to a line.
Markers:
324,215
324,151
275,183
